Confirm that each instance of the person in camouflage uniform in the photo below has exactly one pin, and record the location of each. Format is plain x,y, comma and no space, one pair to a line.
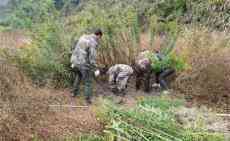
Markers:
142,69
83,61
119,75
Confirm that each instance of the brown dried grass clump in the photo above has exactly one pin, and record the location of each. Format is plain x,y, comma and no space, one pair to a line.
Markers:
25,112
15,39
126,50
123,53
21,110
208,78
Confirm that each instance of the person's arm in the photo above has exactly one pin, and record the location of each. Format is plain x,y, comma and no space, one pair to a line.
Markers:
73,58
92,57
111,74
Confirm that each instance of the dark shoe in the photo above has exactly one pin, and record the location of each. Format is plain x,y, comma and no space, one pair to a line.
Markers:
147,90
123,93
137,87
115,91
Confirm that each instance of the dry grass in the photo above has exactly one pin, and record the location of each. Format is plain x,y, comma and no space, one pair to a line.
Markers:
126,50
208,78
25,113
16,39
123,53
21,110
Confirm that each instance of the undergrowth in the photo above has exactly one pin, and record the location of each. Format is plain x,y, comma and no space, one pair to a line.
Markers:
207,78
152,119
79,138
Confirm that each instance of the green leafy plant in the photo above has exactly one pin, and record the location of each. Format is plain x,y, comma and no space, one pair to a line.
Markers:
169,61
46,59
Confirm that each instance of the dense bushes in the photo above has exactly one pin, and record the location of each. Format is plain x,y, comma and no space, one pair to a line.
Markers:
47,58
213,14
54,28
24,14
121,32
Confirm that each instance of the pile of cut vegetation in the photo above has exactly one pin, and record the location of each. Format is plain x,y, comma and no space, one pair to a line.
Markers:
155,119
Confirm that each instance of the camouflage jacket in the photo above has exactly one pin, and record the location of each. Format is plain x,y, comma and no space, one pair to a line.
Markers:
121,70
84,53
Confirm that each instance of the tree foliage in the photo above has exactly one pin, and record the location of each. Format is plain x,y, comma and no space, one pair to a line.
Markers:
26,13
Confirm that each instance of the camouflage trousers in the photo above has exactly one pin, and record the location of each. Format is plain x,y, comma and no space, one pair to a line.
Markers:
118,82
85,76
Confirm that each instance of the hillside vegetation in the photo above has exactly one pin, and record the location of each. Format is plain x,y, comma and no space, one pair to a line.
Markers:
36,41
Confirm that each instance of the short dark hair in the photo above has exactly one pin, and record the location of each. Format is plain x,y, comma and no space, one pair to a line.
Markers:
98,32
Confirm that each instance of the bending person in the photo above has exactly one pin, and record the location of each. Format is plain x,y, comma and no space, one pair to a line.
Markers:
119,75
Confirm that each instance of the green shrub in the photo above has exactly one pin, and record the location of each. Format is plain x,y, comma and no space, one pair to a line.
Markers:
47,58
169,61
171,32
24,14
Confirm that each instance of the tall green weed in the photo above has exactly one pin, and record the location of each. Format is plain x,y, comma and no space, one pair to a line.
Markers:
47,58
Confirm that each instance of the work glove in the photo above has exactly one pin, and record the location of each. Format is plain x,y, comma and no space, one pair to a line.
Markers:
97,73
72,66
156,85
